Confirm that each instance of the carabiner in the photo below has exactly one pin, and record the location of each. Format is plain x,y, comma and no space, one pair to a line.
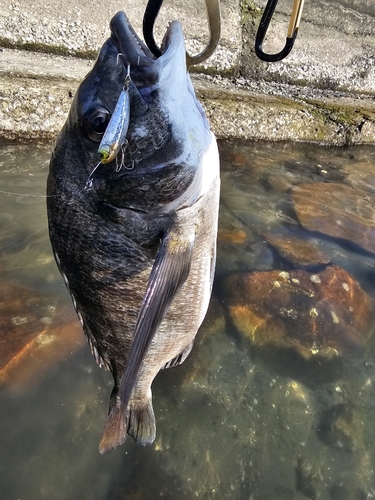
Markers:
214,21
291,35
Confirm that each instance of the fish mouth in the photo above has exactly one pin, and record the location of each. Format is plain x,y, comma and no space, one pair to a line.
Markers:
135,52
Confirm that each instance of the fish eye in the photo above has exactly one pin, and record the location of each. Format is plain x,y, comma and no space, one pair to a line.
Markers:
95,122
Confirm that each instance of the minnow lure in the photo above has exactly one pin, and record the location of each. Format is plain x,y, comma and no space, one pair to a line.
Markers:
114,136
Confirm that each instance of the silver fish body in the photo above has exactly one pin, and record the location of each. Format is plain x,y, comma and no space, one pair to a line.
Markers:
137,247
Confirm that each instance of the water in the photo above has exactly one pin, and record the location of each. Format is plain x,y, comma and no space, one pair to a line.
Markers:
236,420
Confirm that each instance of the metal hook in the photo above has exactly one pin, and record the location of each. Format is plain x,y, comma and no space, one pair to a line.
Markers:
149,18
214,20
291,35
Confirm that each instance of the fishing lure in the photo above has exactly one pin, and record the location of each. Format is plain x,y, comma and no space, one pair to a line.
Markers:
115,135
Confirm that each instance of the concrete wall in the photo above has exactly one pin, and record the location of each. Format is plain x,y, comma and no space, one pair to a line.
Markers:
335,47
332,64
80,28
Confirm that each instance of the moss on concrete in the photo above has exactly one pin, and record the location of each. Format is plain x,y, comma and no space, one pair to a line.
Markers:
36,92
349,119
250,11
57,50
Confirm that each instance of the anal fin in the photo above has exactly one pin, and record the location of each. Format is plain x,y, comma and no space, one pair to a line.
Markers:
178,360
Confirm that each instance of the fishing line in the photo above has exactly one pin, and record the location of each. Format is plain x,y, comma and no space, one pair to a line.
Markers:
31,195
88,184
87,187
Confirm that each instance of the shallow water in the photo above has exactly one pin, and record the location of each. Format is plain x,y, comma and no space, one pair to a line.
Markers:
231,422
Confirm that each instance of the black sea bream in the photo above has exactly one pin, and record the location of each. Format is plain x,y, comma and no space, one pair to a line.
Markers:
135,238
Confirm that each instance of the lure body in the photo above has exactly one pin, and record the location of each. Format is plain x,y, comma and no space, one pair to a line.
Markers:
115,135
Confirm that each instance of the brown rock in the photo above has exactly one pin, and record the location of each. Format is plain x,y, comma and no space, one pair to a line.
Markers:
23,315
233,157
41,354
360,174
297,251
279,184
326,314
234,236
35,333
337,210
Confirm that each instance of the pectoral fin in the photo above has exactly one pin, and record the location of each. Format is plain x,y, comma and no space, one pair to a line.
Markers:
169,272
178,360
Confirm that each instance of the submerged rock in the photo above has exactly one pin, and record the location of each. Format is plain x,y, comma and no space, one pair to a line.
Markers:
360,174
339,428
337,210
236,421
23,315
235,236
326,314
35,333
307,477
297,251
346,491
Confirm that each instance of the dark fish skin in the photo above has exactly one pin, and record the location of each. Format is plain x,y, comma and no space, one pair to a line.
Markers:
136,247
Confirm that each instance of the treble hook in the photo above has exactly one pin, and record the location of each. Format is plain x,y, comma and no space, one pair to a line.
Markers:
214,21
291,35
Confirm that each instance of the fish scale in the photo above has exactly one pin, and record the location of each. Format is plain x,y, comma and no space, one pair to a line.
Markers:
141,147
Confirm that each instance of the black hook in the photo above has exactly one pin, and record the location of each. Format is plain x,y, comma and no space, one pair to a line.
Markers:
214,20
291,35
149,18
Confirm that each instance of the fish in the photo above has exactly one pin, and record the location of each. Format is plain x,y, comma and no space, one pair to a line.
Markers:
135,238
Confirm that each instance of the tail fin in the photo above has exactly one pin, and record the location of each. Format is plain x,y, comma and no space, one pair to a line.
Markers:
141,425
114,432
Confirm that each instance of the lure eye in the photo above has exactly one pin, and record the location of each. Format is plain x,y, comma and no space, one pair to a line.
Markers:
95,122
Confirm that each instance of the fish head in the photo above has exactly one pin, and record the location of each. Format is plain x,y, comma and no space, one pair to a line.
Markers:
167,133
